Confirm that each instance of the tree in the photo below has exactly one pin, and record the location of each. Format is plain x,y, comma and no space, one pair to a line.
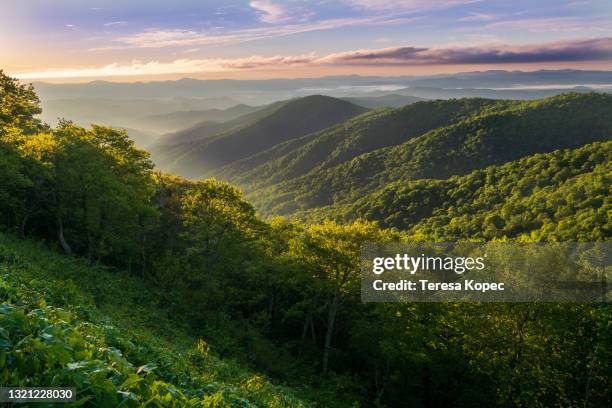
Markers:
18,106
15,187
214,212
332,252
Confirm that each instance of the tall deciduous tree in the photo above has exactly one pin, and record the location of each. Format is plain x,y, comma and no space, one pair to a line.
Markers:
332,251
18,106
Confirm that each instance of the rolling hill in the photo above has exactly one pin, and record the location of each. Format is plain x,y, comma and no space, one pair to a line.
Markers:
496,135
168,147
207,128
343,142
285,121
561,194
179,120
383,101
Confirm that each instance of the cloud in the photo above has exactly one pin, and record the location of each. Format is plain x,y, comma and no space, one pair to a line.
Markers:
180,66
116,24
190,38
598,49
269,12
595,49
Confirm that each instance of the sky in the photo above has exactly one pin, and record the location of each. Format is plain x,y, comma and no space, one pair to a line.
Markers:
140,40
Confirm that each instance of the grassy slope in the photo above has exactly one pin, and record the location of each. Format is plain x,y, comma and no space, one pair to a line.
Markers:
493,137
65,323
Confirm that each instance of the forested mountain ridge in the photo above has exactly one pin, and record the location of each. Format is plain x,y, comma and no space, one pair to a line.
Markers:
493,136
207,128
383,101
567,190
338,144
288,121
170,146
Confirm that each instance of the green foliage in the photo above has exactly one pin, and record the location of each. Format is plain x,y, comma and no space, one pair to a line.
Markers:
18,105
91,188
497,134
563,196
61,325
338,144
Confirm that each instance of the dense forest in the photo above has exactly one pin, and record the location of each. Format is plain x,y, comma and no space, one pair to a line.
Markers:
141,287
563,196
424,140
495,134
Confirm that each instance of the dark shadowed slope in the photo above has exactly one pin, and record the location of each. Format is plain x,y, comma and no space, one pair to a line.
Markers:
343,142
170,146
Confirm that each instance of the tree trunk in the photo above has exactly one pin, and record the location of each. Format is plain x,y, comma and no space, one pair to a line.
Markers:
24,222
143,255
62,240
380,381
331,319
90,254
22,226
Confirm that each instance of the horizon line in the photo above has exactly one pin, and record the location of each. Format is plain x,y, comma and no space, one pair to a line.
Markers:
91,80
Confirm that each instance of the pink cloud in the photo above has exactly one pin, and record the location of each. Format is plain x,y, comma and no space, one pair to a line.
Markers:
595,49
598,49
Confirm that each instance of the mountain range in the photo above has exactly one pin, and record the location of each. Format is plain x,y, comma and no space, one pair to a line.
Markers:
154,108
294,169
203,150
496,133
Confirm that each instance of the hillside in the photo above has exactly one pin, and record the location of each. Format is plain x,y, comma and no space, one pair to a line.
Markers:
477,91
494,136
92,107
286,121
168,147
561,194
178,120
341,143
383,101
205,128
61,324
